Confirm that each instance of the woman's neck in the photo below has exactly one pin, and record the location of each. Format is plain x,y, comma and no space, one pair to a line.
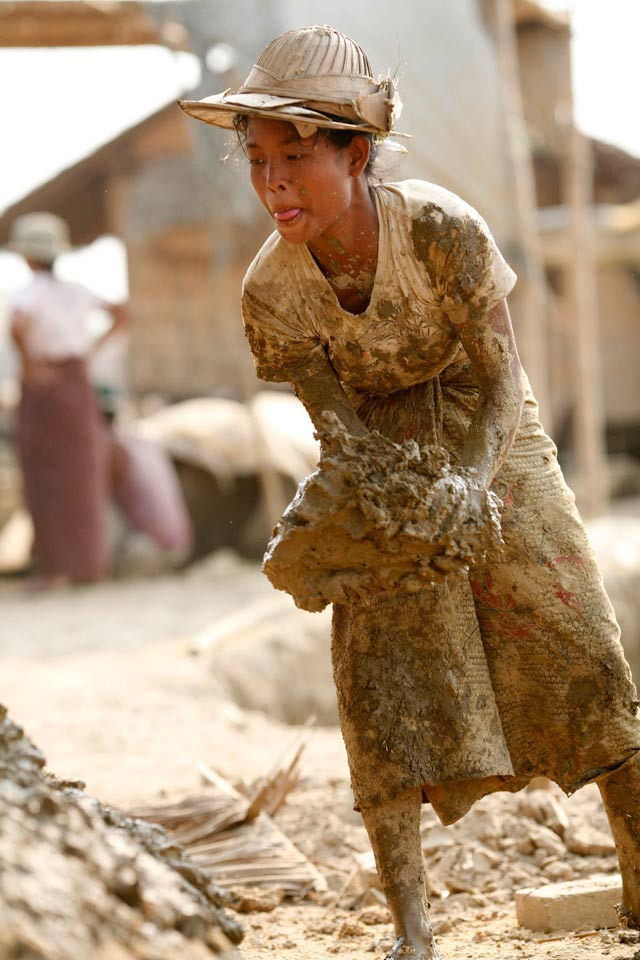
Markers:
348,257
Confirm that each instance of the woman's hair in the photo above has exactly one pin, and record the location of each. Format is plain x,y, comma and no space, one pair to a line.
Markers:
381,160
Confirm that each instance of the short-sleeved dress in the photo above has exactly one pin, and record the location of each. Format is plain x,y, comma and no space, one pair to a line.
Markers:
514,669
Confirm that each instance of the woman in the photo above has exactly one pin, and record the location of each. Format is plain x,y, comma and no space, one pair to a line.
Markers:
64,443
386,305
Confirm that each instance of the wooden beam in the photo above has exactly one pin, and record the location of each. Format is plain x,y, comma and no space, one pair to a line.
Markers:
588,426
580,280
531,13
528,13
75,23
616,230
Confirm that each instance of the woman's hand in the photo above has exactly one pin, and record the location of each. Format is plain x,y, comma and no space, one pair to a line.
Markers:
457,501
120,319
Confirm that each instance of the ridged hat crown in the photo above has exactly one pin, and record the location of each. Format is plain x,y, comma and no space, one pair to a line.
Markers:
314,77
317,51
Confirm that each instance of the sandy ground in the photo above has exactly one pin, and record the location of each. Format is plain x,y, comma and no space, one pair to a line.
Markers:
105,680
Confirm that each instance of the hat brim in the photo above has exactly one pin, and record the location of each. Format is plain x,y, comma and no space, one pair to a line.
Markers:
220,110
32,252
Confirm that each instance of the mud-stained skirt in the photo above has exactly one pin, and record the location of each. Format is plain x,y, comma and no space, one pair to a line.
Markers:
64,449
511,671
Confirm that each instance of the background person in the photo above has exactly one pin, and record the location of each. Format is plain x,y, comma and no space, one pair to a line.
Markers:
64,443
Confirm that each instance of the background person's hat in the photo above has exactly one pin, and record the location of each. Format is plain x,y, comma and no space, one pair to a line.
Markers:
39,236
312,77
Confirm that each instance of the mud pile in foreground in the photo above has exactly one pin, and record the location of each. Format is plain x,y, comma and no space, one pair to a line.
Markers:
79,880
378,517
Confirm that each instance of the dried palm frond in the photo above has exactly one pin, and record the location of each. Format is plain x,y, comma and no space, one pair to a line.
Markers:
234,838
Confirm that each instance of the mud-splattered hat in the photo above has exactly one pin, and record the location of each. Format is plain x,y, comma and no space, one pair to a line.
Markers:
39,236
313,77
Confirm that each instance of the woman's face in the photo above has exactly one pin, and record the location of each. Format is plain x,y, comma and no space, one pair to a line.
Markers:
305,185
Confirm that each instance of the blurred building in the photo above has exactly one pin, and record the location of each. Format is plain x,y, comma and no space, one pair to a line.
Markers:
544,68
191,225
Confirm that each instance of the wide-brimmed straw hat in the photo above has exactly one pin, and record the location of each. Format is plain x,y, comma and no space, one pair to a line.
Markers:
312,77
39,236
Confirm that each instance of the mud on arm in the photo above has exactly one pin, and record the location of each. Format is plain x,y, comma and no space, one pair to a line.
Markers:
488,340
284,349
321,391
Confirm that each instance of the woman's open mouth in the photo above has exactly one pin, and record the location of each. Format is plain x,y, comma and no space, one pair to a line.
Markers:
287,216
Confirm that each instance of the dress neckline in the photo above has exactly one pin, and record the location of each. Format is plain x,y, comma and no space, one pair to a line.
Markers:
382,246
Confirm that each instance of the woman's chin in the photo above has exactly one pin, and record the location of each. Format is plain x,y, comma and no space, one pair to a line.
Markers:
294,231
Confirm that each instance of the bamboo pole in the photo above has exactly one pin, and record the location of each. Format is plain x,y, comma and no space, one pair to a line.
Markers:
532,325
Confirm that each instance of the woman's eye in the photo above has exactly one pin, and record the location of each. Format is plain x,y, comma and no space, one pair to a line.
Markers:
254,161
295,156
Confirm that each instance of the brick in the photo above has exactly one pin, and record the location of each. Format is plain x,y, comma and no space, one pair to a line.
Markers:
576,905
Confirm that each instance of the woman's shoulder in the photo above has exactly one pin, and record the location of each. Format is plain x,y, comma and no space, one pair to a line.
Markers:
274,257
450,239
420,198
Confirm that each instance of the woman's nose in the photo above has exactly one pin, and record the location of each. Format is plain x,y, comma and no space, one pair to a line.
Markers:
276,176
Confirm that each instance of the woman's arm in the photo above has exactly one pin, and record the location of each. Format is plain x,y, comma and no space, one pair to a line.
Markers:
119,317
323,391
490,345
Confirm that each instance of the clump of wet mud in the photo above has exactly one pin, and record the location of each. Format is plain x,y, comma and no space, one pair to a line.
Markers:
376,518
79,880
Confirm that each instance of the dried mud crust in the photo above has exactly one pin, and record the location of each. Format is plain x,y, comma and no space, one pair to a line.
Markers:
378,517
79,880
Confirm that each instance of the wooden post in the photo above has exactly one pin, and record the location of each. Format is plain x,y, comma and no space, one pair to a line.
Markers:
532,325
581,298
582,290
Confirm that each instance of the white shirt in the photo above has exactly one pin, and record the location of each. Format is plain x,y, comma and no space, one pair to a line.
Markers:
56,322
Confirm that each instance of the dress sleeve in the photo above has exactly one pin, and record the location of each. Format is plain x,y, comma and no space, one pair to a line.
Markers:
462,258
282,349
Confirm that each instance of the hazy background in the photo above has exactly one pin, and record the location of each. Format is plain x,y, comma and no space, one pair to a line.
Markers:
57,105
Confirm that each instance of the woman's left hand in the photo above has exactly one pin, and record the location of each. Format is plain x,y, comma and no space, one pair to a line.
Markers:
459,500
456,500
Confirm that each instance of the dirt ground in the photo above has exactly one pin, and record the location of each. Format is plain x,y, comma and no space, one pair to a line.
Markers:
105,680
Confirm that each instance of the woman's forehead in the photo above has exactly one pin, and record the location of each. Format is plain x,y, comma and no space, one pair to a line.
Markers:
266,130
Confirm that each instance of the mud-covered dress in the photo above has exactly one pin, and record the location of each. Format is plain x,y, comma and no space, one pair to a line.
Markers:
515,669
